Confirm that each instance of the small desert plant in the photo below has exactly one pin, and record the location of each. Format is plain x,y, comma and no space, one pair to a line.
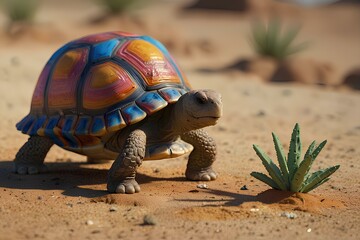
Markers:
118,6
272,41
293,174
20,10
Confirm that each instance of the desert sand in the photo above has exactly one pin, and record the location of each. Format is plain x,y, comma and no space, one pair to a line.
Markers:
71,202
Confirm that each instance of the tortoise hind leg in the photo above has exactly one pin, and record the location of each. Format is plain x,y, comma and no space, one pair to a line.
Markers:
202,157
30,158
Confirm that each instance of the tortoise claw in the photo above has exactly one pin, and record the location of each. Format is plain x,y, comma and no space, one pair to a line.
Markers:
129,186
201,175
24,169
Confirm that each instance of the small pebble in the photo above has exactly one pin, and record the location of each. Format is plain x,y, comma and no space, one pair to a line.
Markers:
149,220
308,230
289,215
286,92
202,186
15,61
261,113
244,188
89,222
222,129
113,209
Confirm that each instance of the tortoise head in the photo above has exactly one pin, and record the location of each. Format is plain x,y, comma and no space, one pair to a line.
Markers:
199,108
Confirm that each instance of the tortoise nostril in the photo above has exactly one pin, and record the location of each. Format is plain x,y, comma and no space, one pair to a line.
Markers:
201,97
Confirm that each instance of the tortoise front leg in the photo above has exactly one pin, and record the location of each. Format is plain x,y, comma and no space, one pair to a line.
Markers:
122,173
202,157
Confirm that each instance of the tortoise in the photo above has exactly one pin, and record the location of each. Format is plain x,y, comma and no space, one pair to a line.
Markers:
121,96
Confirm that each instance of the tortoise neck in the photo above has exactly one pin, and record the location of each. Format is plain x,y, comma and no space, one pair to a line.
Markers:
169,121
168,124
174,119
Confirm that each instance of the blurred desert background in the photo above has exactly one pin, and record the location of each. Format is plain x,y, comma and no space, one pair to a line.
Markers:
318,87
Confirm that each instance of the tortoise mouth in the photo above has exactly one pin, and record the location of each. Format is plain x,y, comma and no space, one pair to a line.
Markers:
204,117
214,115
210,120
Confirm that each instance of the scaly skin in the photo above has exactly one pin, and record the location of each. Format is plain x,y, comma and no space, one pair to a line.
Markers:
121,178
202,157
31,156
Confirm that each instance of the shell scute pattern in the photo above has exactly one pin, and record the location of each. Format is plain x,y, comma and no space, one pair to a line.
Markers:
153,65
37,125
61,92
133,114
82,126
151,102
67,130
106,84
100,84
114,121
37,102
104,50
98,126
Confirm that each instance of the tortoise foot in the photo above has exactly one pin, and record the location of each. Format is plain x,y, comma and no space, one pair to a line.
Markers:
23,169
201,175
123,186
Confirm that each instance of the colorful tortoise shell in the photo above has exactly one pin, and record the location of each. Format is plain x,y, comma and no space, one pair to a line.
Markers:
101,83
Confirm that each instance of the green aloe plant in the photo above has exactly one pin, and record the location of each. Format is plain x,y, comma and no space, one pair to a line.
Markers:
294,174
20,10
272,41
119,6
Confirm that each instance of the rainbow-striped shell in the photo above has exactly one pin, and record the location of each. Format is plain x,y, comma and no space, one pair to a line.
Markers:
99,84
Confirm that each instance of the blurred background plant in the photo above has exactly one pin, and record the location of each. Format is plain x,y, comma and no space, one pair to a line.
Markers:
122,10
119,6
19,15
271,40
20,10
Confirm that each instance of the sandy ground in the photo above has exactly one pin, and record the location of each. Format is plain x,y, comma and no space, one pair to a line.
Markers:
70,201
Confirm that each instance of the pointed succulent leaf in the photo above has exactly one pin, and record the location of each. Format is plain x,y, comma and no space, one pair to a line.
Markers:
259,36
294,151
273,35
281,157
318,177
272,169
300,174
317,185
313,153
317,150
310,149
297,48
264,178
288,38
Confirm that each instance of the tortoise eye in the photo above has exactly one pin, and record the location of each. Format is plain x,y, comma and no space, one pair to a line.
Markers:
201,97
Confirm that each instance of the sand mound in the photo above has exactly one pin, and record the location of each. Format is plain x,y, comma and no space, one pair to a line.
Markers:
298,201
352,79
